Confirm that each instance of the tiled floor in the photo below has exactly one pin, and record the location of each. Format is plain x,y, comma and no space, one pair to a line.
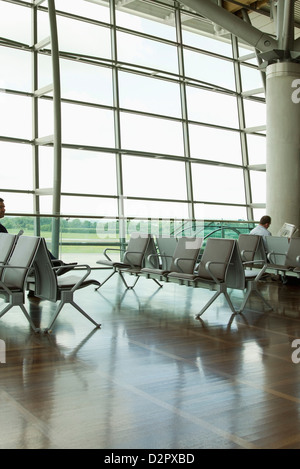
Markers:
153,377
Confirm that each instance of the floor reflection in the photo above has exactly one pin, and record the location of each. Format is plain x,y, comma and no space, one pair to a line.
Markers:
153,376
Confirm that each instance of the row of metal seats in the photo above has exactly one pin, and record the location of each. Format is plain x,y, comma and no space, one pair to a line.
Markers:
218,264
25,264
283,255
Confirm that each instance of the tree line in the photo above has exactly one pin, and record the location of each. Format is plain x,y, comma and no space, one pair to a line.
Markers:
66,226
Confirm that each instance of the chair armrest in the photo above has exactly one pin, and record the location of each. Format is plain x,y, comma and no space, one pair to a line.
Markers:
5,266
151,257
126,259
5,288
273,253
207,267
110,249
254,262
179,259
261,270
81,279
245,251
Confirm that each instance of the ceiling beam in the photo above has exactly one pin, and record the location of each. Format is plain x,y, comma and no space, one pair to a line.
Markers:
234,6
233,24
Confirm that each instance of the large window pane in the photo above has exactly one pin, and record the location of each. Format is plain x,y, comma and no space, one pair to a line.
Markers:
45,71
209,69
218,184
89,206
147,177
146,25
16,203
91,126
149,95
211,107
45,117
16,164
83,38
151,135
43,29
85,125
15,116
256,149
99,168
15,69
148,53
258,213
83,82
46,163
255,113
220,46
219,212
15,22
215,144
258,183
251,78
84,8
155,210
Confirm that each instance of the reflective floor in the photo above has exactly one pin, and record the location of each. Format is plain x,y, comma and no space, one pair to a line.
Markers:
153,377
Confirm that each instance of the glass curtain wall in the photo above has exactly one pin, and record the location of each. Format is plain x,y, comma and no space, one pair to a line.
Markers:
158,119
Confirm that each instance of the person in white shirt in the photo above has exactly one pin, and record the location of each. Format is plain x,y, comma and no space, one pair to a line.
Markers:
262,228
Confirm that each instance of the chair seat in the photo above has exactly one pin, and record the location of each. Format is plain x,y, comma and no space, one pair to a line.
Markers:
158,272
181,275
279,267
69,281
251,273
112,263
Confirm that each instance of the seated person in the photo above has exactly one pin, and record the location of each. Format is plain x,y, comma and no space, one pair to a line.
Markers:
262,228
56,262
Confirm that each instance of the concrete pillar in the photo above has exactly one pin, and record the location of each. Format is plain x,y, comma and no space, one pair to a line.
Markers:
283,144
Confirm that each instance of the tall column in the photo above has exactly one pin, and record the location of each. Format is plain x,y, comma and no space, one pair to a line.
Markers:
283,144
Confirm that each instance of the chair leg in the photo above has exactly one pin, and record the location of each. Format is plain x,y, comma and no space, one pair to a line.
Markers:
101,284
10,305
213,298
252,288
85,314
35,329
156,281
7,308
230,302
125,283
49,328
222,289
60,307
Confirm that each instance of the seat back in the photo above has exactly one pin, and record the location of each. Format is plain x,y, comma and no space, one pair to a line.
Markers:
166,248
218,253
7,242
276,248
187,249
45,277
293,252
20,261
137,248
252,249
150,251
248,245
